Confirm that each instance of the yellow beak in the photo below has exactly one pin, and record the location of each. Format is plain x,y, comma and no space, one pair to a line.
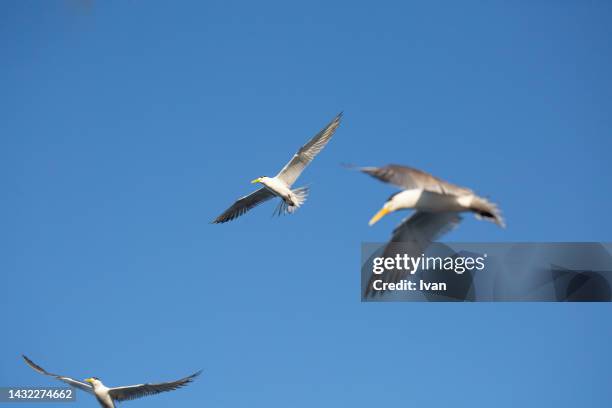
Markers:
89,380
257,180
383,211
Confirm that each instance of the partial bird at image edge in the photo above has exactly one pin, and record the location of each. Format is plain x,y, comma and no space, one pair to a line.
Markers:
107,396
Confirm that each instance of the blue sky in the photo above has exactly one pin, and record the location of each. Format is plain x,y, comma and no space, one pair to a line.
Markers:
128,126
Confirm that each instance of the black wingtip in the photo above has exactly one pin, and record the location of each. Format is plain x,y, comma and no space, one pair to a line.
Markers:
192,377
337,118
32,364
219,220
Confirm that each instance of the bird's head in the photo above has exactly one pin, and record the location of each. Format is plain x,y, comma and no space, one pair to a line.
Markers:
261,179
387,208
94,381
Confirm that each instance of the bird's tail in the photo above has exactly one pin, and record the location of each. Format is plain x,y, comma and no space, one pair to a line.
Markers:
298,197
484,209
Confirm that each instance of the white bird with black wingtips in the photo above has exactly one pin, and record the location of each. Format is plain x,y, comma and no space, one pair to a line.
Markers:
280,185
107,396
423,192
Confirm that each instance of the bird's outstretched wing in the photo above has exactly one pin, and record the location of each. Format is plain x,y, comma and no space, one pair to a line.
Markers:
425,227
413,236
131,392
409,178
70,381
304,156
244,204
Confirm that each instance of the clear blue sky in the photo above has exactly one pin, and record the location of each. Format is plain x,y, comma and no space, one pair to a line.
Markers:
127,126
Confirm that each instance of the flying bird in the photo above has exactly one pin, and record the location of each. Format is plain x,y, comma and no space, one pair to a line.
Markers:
423,192
438,204
280,185
108,396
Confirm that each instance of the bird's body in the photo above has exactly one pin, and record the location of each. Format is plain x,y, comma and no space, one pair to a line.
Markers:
279,188
424,200
280,185
429,201
107,396
102,394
